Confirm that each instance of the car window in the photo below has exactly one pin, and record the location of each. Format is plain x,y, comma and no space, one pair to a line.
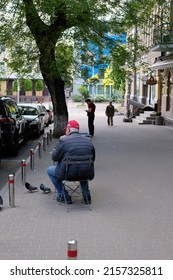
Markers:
31,111
11,108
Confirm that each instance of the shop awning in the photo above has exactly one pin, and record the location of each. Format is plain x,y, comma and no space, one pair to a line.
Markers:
162,64
140,105
136,104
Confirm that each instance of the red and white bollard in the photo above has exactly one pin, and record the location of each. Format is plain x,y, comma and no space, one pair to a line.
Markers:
23,171
72,250
11,190
32,159
40,149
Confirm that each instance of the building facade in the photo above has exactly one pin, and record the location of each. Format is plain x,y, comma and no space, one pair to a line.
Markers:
94,68
155,63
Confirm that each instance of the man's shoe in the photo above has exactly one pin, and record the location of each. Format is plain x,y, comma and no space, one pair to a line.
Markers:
60,199
63,200
87,199
68,200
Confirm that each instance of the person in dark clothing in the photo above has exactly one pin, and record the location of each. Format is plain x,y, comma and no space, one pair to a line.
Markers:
91,116
71,144
110,110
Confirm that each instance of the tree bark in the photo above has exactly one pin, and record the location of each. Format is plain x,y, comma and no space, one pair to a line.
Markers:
56,89
55,85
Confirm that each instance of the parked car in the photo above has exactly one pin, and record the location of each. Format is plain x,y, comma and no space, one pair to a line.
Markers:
49,109
14,129
34,116
46,115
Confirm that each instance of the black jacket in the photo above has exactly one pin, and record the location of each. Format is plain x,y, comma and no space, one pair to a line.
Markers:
110,110
73,145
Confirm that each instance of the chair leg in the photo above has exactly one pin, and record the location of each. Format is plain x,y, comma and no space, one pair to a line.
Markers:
74,190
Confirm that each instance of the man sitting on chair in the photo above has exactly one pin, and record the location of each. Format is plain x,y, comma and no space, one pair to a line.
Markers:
72,144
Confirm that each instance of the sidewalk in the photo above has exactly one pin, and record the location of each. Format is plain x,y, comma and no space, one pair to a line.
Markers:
132,198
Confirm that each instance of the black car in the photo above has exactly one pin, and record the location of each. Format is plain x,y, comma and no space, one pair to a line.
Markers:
14,129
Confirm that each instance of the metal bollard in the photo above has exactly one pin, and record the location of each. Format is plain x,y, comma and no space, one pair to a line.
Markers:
32,159
44,143
48,137
23,171
11,190
40,149
72,250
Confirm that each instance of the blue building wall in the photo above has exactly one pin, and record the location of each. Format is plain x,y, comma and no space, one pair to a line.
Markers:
92,48
92,65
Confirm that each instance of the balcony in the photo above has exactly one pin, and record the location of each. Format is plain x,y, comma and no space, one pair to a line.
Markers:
163,38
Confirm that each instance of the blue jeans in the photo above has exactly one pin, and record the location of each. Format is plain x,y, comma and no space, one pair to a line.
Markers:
59,185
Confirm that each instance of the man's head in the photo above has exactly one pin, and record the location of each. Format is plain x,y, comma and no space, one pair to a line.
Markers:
72,126
88,101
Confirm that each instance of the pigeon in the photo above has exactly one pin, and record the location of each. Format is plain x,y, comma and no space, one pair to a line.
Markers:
1,202
45,189
30,187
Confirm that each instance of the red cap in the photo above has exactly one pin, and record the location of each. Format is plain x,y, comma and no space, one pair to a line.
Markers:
73,124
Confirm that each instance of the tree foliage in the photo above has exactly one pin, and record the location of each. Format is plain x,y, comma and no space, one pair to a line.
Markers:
34,33
34,30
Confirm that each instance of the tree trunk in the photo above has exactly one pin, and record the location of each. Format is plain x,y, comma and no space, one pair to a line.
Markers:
56,89
55,85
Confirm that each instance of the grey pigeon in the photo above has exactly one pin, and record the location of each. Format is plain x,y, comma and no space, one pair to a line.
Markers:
30,187
1,202
44,188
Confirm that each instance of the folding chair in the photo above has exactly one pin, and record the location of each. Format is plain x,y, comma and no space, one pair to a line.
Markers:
71,183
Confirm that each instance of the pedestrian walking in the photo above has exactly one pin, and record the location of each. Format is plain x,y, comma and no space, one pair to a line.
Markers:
110,110
91,116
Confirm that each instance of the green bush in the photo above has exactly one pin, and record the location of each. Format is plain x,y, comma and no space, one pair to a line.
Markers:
28,85
15,86
84,93
77,98
158,114
39,85
102,98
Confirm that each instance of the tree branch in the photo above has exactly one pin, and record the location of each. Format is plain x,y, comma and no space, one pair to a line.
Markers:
35,24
